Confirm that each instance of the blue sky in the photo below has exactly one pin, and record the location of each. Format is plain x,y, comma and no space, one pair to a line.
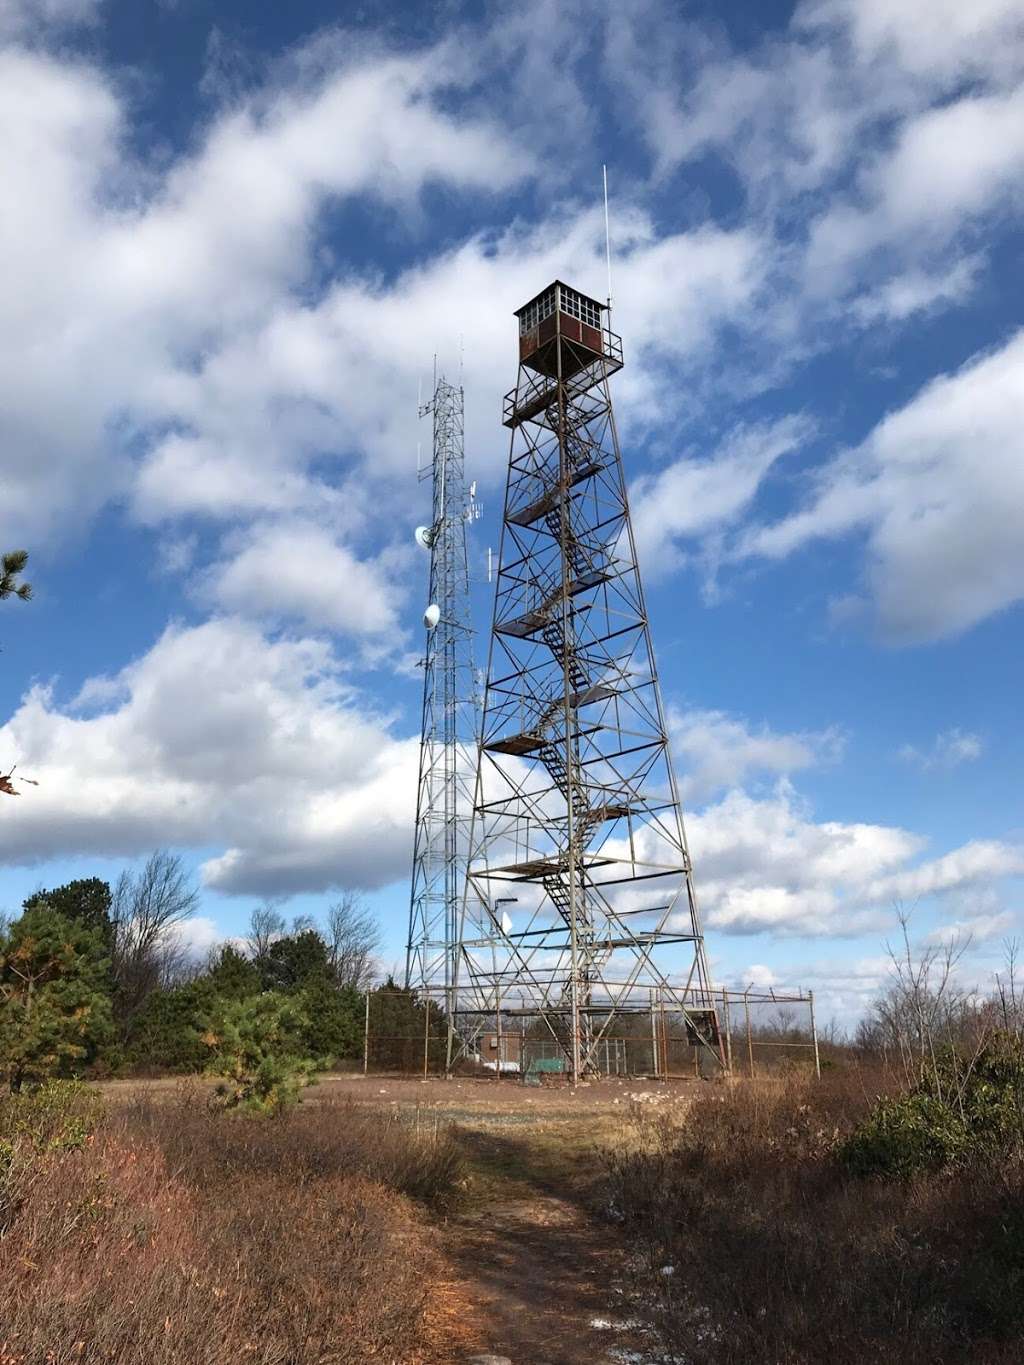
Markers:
234,238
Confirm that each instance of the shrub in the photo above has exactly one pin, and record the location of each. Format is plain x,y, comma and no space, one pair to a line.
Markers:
965,1108
55,1116
779,1254
257,1047
177,1235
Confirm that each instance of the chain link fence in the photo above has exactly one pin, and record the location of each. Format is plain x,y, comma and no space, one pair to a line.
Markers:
755,1033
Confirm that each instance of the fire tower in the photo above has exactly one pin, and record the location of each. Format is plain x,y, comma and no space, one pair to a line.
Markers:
580,905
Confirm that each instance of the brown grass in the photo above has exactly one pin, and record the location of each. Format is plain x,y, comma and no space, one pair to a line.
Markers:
778,1256
175,1235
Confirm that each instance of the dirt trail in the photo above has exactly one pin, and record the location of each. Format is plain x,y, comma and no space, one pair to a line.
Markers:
542,1281
544,1275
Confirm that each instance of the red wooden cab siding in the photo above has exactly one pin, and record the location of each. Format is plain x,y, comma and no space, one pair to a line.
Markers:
591,338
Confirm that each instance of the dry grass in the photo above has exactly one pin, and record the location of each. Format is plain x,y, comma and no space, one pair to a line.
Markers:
175,1235
779,1256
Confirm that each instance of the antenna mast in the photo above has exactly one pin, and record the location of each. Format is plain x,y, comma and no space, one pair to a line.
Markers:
450,725
607,242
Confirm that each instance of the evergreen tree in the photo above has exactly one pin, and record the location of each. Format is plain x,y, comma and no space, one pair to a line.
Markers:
257,1046
334,1014
167,1033
399,1028
290,961
87,901
54,1001
11,565
233,976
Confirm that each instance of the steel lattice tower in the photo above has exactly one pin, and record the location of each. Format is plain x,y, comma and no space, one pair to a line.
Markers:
576,812
450,727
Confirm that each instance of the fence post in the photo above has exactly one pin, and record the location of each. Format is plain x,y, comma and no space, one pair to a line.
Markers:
426,1038
814,1036
750,1040
654,1038
366,1036
728,1029
497,1034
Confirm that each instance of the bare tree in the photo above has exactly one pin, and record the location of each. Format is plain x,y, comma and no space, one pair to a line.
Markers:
924,1008
353,937
146,953
266,923
1009,993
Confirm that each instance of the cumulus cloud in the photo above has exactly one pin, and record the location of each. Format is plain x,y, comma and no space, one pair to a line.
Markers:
694,496
918,292
949,749
764,864
714,750
218,738
949,165
934,40
299,570
936,489
127,275
260,752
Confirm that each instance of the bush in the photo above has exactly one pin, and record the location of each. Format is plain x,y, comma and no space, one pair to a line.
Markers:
966,1108
177,1236
780,1254
257,1047
55,1116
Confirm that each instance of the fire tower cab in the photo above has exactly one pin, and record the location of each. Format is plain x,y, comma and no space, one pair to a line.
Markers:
560,312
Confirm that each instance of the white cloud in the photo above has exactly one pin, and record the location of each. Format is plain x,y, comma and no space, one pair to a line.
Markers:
949,749
27,19
917,292
940,40
130,278
936,488
974,864
218,738
716,751
980,929
765,865
948,165
298,569
692,497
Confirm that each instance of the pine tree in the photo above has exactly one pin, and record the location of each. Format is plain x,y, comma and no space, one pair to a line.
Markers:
54,1002
11,565
256,1045
86,900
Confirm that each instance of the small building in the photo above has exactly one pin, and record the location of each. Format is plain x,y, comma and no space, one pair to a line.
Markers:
560,313
511,1050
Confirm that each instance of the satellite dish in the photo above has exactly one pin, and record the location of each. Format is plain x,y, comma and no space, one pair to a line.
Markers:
425,536
431,616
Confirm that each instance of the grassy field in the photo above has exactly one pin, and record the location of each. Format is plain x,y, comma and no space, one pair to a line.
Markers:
419,1223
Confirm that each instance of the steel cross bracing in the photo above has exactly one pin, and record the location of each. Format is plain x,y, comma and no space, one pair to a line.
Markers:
577,825
450,726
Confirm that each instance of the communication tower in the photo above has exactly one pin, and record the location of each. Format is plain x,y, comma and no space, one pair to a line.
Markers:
580,904
450,726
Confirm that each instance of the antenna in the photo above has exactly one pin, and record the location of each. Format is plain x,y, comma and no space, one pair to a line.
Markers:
607,237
